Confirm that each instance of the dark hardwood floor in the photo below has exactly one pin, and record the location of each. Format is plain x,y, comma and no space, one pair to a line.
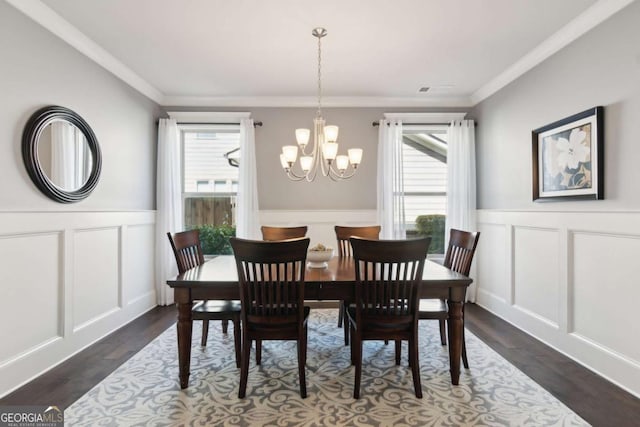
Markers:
68,381
596,400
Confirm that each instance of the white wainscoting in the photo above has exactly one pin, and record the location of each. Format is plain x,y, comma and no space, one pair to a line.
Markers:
570,279
321,223
69,279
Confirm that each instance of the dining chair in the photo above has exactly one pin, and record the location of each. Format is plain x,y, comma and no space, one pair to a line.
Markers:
344,250
282,233
271,277
188,252
388,273
273,234
459,256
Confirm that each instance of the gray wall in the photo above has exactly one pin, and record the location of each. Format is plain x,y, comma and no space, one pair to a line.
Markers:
276,191
600,68
39,69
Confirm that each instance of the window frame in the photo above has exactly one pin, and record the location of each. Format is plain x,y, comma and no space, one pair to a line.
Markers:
435,130
195,128
418,129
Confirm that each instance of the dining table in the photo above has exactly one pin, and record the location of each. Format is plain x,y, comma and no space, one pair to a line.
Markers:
217,279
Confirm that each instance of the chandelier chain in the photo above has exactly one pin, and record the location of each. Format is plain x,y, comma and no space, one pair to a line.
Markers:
319,113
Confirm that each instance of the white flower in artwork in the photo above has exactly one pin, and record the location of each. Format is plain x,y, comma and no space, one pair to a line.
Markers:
550,157
574,150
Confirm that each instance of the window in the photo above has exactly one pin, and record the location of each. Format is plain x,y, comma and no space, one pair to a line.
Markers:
424,155
220,186
203,186
210,184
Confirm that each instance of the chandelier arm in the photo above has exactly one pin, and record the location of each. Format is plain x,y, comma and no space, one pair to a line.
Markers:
313,172
326,168
311,175
340,176
334,179
304,152
347,176
293,176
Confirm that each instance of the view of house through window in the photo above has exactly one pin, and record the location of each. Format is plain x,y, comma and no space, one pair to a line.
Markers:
210,184
425,183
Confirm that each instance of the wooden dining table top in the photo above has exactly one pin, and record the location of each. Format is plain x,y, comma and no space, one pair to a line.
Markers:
221,271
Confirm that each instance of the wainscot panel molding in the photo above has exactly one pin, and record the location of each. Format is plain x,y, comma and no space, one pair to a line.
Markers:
85,274
569,279
321,223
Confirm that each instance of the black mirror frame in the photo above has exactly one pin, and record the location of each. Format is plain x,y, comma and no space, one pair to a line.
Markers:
32,131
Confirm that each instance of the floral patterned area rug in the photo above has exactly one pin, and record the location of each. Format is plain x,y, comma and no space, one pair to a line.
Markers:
145,390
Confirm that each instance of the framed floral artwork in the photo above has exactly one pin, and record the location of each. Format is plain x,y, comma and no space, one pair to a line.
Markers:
568,158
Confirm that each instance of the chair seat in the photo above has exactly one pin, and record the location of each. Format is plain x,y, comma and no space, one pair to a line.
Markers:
277,321
216,310
433,309
391,322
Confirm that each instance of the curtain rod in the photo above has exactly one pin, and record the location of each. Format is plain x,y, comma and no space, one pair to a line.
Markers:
377,123
209,123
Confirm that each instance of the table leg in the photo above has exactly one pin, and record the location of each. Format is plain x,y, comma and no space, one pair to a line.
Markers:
185,326
454,329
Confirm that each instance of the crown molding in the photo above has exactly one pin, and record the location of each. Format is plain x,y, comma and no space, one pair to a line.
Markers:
584,22
47,18
310,101
208,116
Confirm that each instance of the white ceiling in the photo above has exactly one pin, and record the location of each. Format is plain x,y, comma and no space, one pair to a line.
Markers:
377,52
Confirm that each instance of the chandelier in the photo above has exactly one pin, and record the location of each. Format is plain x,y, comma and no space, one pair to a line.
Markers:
323,154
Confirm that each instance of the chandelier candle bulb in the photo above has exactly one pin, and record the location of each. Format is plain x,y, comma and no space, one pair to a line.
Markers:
355,156
330,150
306,162
302,137
331,133
290,153
283,162
342,163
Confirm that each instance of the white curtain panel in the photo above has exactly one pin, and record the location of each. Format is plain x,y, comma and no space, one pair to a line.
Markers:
247,221
169,206
391,215
461,186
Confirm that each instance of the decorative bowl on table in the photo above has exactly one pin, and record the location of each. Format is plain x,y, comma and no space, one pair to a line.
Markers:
318,256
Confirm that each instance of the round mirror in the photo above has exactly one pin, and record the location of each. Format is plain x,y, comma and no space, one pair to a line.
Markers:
61,154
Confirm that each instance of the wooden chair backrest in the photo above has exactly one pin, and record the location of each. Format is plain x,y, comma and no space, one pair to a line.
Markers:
271,276
187,249
343,234
462,247
388,273
283,233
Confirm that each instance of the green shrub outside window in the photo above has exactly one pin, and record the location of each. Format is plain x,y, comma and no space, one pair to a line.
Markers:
215,238
432,225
